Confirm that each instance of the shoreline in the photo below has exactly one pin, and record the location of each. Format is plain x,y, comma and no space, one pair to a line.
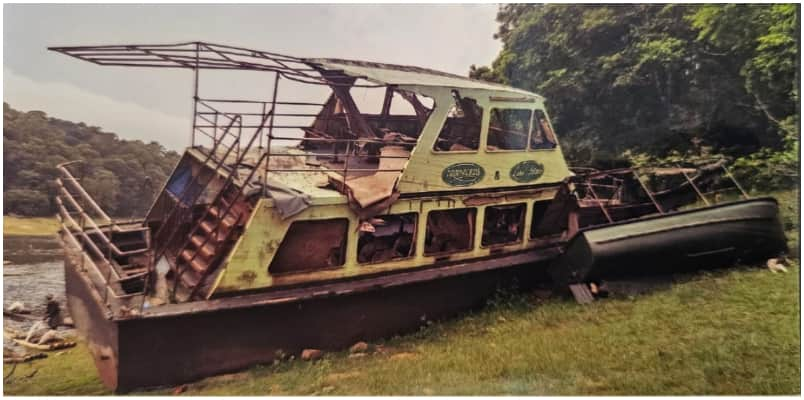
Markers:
30,226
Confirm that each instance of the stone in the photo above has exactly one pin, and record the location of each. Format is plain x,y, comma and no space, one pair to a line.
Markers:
16,307
49,336
311,354
359,347
776,265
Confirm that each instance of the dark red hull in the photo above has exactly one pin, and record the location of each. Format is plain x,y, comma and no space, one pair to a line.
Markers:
178,343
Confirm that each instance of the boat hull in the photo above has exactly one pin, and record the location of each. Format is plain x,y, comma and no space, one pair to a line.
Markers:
179,343
711,237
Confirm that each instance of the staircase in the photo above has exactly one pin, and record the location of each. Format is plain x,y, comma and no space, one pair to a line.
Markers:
182,207
210,240
214,232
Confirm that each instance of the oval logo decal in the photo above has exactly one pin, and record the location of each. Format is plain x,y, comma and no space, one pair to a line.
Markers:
463,174
527,171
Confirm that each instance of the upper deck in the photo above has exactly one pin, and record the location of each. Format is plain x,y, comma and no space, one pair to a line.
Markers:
431,131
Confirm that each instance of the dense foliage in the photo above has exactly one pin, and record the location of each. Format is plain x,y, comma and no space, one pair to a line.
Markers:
659,81
122,175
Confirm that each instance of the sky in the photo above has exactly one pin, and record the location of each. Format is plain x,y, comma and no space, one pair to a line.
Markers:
156,104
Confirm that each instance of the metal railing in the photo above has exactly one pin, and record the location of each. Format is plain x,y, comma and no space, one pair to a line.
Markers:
78,234
590,183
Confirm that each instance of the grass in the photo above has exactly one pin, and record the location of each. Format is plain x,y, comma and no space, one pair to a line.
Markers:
727,332
731,332
28,226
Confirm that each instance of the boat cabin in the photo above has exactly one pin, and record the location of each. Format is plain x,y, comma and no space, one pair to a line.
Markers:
384,168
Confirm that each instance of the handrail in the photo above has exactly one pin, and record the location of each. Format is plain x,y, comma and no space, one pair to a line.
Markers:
180,199
94,226
70,178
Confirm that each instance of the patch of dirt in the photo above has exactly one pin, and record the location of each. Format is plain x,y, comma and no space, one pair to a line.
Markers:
404,356
338,377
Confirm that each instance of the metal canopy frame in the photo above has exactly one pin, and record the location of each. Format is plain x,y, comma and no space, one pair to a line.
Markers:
204,55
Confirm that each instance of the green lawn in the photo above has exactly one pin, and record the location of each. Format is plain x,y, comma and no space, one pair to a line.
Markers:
733,331
27,226
728,332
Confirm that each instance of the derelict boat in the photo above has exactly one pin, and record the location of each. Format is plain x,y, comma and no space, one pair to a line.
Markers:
291,224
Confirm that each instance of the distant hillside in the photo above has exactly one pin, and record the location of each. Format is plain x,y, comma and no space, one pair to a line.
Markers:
122,175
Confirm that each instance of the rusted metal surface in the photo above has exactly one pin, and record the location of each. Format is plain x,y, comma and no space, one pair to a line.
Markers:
237,332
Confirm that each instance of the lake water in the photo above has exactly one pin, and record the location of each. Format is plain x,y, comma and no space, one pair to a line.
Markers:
32,269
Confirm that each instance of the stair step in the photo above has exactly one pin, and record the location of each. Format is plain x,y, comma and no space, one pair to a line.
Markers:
209,247
189,279
198,264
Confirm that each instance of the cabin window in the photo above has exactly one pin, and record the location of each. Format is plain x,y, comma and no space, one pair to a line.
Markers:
508,129
542,136
503,224
387,237
461,131
449,231
539,213
310,246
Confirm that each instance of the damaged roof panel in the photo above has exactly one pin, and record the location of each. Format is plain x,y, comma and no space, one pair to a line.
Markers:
391,74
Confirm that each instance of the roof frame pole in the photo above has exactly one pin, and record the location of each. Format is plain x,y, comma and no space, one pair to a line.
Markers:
386,105
734,180
195,93
649,193
694,186
270,132
599,202
340,85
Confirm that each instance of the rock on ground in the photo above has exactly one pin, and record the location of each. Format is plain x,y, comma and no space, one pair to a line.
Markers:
359,347
311,354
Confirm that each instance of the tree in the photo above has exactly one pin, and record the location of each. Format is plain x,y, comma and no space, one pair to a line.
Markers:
656,79
122,175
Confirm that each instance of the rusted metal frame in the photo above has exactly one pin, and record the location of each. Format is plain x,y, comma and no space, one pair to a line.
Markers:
289,103
221,216
648,192
386,105
95,228
599,203
74,182
419,108
158,252
89,243
354,119
195,97
351,169
333,155
734,180
694,186
219,220
301,73
362,140
108,288
270,133
246,64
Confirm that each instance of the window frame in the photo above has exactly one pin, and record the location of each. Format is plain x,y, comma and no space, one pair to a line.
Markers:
484,121
522,220
527,140
412,245
549,123
451,252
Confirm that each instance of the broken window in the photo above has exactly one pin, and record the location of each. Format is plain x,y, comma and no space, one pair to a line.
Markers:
311,245
461,131
386,238
542,136
449,231
503,224
538,225
508,129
